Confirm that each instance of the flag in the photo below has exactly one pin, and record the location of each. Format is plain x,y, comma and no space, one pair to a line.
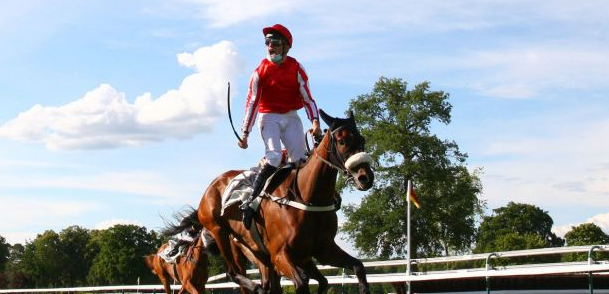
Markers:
412,196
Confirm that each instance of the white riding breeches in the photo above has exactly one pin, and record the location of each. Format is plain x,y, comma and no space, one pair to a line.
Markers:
286,128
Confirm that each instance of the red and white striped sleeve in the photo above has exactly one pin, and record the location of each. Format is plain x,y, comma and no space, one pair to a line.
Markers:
251,104
309,103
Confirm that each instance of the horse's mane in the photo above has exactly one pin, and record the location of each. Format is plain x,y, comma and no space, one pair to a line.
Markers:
185,218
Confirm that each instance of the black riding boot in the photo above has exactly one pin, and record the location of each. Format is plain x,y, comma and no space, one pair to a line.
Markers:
266,171
176,247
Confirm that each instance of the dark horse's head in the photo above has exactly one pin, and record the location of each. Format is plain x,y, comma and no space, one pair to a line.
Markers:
346,150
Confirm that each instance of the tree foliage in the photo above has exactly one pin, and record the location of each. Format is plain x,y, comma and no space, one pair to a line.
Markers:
74,241
586,234
79,257
119,257
53,260
43,259
15,273
4,257
516,226
396,123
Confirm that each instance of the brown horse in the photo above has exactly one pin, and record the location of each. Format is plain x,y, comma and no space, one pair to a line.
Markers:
190,269
303,225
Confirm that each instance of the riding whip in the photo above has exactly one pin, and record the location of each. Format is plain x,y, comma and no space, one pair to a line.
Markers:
230,117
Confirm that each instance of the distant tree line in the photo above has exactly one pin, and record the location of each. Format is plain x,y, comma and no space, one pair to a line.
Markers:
79,257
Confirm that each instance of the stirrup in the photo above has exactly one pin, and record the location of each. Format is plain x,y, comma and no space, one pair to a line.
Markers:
245,205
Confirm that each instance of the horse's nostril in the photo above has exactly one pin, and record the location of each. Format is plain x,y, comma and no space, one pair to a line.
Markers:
363,179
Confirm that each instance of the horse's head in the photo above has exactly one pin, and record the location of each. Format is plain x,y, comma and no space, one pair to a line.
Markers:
346,150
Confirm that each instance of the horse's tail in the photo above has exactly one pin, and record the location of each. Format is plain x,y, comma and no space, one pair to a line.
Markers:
187,218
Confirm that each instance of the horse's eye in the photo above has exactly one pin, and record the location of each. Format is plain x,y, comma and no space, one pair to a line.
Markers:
341,141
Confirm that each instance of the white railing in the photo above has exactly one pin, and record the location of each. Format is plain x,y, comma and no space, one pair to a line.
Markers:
589,266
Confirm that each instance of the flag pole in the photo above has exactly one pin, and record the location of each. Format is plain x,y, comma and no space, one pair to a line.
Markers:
408,237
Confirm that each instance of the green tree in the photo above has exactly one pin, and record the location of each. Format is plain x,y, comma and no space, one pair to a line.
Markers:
74,242
4,253
4,257
516,226
585,234
43,260
120,250
518,241
17,276
396,123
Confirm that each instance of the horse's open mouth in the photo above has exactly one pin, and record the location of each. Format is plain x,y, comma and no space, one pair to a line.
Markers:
364,182
363,178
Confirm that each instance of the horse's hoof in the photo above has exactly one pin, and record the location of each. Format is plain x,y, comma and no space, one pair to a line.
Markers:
259,290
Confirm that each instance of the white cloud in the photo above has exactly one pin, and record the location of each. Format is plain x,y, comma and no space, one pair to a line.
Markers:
432,15
129,182
601,220
112,222
528,70
19,237
226,13
18,213
103,118
565,163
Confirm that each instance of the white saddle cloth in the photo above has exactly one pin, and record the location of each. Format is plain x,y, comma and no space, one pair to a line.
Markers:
239,188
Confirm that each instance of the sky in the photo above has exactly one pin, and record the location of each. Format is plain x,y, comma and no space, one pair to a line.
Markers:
115,111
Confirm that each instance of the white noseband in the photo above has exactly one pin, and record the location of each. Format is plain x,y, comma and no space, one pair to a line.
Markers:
357,159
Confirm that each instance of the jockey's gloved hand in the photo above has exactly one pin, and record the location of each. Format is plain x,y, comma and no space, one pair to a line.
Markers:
243,142
316,131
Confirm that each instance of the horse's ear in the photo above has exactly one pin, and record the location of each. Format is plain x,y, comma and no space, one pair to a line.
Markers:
350,115
326,118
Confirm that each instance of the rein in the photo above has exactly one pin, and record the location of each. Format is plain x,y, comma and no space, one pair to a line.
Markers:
337,161
191,251
333,152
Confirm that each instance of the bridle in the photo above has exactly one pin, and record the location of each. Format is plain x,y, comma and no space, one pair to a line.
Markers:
338,162
336,159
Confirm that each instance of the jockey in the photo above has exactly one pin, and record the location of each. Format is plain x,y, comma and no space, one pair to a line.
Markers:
185,237
278,88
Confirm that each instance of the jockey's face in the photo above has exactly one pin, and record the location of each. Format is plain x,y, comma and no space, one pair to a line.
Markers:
276,49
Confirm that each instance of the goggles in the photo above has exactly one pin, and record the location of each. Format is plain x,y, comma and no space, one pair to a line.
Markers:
274,42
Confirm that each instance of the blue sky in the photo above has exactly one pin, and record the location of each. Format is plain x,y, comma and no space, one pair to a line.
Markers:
115,111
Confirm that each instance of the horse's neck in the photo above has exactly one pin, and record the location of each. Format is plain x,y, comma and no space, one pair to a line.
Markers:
317,180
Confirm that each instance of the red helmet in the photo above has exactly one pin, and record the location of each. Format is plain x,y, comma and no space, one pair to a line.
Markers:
281,30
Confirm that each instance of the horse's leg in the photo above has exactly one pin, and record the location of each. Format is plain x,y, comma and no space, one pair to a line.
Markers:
313,272
190,287
163,274
274,281
223,241
269,278
165,281
166,285
240,262
335,256
286,265
186,272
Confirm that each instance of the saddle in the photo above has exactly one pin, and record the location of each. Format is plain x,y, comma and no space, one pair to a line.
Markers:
277,178
166,253
240,187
